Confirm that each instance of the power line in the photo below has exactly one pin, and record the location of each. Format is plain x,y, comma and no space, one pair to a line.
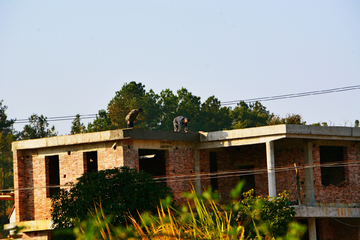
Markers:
214,175
226,103
64,118
294,95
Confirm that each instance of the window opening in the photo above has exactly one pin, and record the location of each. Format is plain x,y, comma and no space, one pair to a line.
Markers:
247,174
52,175
334,173
90,162
152,162
213,169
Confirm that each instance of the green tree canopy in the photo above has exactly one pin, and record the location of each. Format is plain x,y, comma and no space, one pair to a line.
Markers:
169,103
101,123
6,126
119,191
189,106
213,116
77,126
159,111
289,119
250,115
133,96
6,159
38,128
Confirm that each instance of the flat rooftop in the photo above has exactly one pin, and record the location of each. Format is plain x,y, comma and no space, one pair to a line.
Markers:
204,139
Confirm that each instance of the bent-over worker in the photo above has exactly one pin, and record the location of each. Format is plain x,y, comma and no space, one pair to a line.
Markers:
130,118
179,121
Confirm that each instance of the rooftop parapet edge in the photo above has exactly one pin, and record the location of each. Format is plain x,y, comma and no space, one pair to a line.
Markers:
104,136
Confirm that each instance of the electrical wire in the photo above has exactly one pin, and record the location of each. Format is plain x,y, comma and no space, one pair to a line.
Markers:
346,224
214,175
294,95
226,103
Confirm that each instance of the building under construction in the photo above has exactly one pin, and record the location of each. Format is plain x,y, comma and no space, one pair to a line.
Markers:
326,194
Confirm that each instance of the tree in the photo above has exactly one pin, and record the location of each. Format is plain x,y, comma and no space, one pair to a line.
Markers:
169,103
356,123
213,117
324,124
38,128
250,115
289,119
6,126
101,123
6,163
189,106
118,191
77,125
274,213
133,96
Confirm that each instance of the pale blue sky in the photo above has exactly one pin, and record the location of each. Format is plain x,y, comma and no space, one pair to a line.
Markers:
60,58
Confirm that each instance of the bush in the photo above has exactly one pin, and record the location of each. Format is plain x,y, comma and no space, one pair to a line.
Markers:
271,215
119,191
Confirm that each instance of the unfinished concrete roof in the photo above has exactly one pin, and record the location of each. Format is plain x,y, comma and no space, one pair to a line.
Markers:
271,133
112,135
206,139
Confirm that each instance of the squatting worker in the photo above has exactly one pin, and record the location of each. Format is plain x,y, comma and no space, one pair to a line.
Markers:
179,121
130,118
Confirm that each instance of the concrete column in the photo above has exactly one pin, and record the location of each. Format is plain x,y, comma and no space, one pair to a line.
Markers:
309,175
312,228
270,160
197,172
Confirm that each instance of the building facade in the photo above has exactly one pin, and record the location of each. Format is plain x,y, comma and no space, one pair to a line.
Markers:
326,191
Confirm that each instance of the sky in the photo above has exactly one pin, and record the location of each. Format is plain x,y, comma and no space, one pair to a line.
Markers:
62,57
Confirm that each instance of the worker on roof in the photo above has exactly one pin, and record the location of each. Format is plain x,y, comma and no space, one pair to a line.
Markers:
179,121
130,118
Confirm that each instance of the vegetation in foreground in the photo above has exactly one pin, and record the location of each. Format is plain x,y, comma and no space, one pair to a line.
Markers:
202,218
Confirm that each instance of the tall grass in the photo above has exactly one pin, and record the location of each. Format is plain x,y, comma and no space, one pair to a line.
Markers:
201,218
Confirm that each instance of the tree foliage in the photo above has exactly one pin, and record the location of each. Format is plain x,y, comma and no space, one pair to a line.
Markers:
38,128
132,95
289,119
213,116
270,215
159,111
250,115
120,191
6,164
101,123
77,126
6,126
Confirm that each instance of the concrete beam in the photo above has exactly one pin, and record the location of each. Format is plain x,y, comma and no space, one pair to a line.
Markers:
323,212
37,225
162,135
238,142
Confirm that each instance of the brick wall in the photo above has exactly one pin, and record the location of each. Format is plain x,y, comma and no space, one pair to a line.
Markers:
180,166
30,172
231,158
347,193
205,169
338,229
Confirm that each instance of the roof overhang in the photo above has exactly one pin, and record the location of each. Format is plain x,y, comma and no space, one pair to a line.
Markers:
112,135
204,140
272,133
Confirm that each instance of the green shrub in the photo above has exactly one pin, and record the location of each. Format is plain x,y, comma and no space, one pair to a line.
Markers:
270,215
